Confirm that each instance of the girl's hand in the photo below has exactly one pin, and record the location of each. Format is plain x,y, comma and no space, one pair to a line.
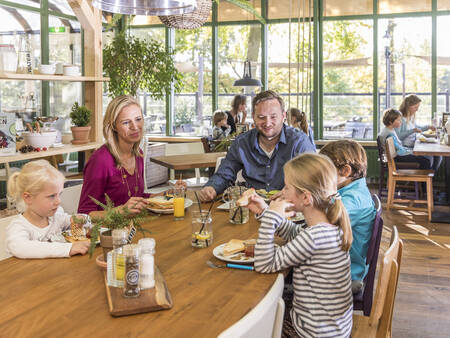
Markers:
256,204
135,204
81,247
282,207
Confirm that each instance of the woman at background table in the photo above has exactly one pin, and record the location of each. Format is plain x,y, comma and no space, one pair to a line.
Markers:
408,129
238,105
117,167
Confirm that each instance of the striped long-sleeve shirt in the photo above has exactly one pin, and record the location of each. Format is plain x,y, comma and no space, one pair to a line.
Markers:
323,303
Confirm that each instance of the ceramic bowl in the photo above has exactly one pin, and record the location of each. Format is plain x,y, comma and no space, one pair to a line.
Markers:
100,261
47,69
40,140
71,70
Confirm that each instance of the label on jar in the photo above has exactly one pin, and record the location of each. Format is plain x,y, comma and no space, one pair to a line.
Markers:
132,277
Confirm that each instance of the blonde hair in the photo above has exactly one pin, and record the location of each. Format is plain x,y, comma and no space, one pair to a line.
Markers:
300,119
317,174
31,178
109,125
347,152
219,116
408,101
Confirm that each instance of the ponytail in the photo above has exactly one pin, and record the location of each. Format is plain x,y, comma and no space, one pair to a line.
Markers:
12,188
337,214
300,119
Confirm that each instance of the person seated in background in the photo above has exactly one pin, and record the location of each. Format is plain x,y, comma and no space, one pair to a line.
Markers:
297,119
408,129
238,106
220,121
350,160
392,119
261,152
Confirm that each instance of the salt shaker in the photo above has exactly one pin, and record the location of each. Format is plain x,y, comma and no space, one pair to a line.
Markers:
131,288
147,263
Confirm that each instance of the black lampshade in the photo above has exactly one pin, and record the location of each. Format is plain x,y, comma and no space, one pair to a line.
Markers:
247,80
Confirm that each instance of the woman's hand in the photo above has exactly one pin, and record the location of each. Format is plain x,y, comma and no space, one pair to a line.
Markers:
282,207
135,204
80,247
256,204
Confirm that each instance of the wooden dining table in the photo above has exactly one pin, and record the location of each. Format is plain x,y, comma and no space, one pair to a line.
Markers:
188,161
66,296
437,149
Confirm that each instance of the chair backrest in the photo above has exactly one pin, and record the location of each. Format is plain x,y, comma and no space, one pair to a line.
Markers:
381,153
391,153
381,316
184,148
218,162
70,197
4,222
372,256
206,146
260,321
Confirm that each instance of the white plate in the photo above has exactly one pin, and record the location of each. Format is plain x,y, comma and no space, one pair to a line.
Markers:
428,140
239,257
187,204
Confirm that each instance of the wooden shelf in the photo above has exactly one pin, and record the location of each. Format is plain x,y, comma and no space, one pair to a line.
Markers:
38,77
67,148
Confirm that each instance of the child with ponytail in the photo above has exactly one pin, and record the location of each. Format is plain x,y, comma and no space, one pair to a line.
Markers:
298,120
318,253
36,233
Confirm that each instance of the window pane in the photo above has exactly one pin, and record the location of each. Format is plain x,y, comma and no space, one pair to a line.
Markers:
230,12
154,110
443,5
339,7
284,9
403,6
408,47
347,79
443,64
291,78
193,107
236,44
60,6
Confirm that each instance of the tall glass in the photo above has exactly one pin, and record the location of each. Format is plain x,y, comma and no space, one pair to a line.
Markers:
237,215
202,232
178,203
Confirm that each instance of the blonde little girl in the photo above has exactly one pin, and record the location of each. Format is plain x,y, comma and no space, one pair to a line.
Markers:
322,304
36,233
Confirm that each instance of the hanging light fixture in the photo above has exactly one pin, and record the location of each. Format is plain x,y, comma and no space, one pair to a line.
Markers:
247,80
146,7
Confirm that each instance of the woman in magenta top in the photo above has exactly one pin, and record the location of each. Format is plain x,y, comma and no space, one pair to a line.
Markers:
117,167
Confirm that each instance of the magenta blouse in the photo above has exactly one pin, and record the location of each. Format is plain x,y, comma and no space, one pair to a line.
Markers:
101,176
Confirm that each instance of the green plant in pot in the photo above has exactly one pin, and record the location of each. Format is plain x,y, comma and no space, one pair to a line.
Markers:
81,116
115,219
134,64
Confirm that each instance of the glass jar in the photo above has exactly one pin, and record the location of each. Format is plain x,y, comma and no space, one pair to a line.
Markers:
8,59
119,239
147,263
131,287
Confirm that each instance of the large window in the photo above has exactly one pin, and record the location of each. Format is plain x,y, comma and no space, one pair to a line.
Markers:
347,79
443,64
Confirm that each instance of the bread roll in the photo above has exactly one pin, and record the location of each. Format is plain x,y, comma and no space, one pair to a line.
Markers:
243,201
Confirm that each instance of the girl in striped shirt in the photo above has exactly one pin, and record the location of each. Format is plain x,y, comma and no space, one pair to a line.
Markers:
322,305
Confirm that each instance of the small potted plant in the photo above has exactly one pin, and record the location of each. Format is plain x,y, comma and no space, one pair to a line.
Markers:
80,116
115,219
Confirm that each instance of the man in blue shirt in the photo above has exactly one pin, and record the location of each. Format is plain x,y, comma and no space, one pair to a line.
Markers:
261,152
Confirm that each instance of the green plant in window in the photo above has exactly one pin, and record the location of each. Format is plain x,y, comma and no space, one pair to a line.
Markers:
134,64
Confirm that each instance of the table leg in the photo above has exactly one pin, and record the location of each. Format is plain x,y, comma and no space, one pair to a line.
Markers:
439,216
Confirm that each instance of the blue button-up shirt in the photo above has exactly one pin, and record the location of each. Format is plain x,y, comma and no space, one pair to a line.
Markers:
258,170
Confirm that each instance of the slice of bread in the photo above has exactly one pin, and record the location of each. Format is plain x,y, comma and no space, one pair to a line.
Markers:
160,202
233,246
243,201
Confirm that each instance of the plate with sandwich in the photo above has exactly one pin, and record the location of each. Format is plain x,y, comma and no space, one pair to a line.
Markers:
233,252
164,204
267,194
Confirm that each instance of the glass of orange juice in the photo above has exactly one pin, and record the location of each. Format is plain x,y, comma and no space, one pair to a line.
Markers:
178,203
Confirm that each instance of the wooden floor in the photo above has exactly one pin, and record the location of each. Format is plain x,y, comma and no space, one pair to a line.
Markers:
422,305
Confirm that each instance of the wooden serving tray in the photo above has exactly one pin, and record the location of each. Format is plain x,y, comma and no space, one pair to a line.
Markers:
155,299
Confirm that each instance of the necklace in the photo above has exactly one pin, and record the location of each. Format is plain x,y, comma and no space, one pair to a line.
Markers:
123,174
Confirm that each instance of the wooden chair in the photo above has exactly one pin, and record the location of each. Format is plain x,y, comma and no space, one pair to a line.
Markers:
263,321
379,324
363,299
407,175
4,222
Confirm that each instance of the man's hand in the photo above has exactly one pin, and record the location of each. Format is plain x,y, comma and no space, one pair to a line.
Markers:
207,194
81,247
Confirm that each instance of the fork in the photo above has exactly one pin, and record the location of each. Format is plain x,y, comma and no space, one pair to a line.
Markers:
229,265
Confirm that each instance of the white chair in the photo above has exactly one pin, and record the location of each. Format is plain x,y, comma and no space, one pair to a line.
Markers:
158,173
70,198
4,222
265,320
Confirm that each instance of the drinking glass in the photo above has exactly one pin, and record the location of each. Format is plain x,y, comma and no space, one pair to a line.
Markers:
202,231
237,215
178,203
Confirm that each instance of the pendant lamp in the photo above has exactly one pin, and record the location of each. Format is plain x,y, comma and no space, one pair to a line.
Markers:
247,80
146,7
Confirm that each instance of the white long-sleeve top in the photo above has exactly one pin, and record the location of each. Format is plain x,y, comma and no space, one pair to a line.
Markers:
25,240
